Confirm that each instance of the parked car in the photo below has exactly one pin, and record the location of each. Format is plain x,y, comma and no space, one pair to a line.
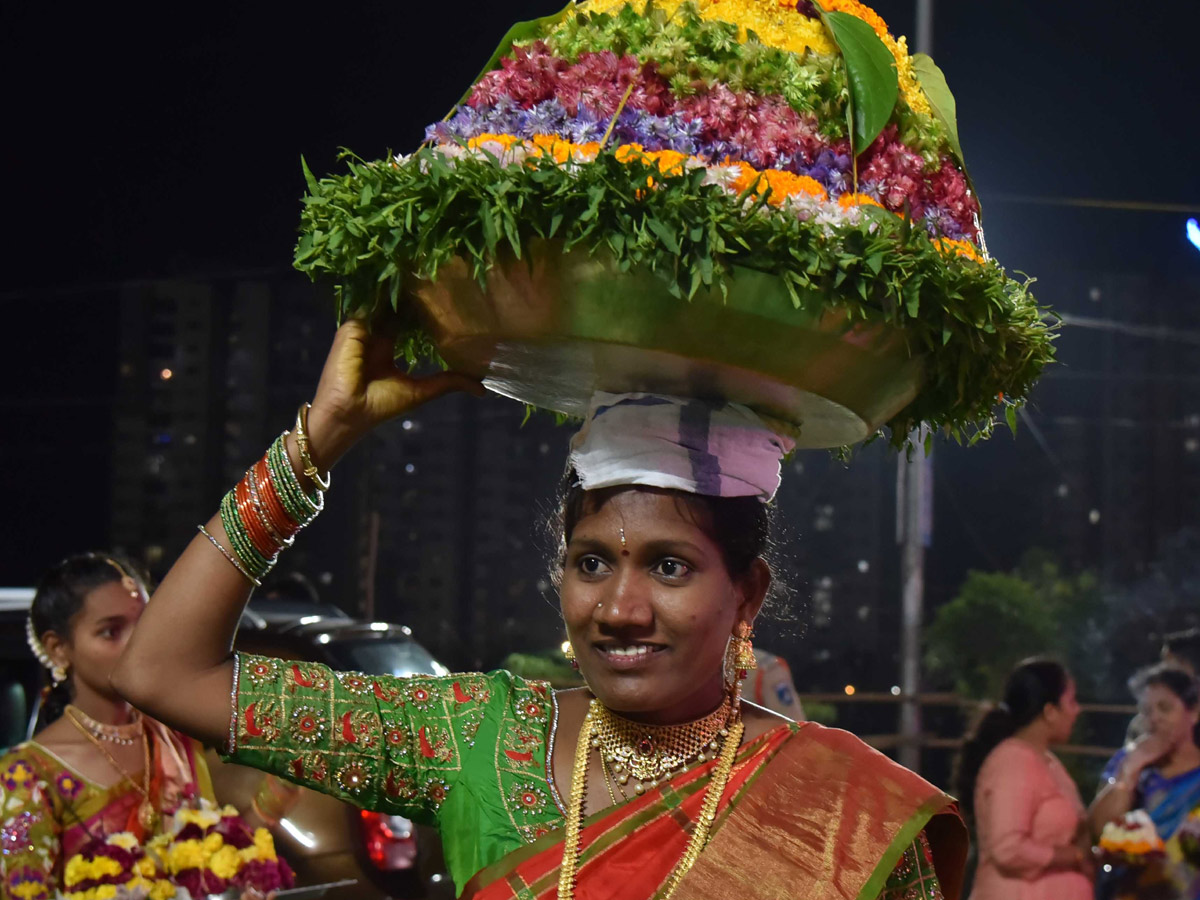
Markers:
20,674
324,839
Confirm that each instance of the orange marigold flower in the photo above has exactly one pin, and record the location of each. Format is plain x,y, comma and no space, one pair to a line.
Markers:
748,179
504,140
959,248
670,162
786,184
848,200
626,152
858,10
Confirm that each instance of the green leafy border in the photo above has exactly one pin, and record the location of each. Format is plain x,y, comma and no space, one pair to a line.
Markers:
378,227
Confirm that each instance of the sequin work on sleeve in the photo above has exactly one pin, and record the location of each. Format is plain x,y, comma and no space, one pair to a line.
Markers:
29,832
392,744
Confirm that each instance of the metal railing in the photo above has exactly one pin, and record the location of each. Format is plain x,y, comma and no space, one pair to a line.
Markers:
933,741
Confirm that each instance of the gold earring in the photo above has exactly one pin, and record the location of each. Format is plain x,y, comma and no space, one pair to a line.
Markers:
58,674
743,650
568,650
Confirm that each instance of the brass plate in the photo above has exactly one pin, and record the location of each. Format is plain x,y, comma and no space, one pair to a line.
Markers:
553,328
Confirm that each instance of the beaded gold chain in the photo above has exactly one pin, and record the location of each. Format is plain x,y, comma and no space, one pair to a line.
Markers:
650,753
731,739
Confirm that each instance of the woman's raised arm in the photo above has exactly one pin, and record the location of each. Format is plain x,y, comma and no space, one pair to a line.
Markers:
177,665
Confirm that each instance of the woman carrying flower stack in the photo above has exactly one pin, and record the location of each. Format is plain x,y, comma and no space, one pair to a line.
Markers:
716,230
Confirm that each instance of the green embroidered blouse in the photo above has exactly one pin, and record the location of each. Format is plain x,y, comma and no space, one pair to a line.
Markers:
468,753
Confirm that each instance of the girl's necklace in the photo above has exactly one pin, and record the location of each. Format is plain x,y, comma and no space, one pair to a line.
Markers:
730,738
147,814
126,735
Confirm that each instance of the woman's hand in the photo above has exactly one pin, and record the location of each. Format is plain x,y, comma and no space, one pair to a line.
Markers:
1146,751
361,387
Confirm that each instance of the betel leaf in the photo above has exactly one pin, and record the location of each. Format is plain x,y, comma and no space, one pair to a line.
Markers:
522,31
870,72
941,101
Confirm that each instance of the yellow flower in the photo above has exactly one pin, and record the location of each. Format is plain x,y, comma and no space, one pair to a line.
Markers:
212,843
105,892
265,845
626,152
226,862
183,855
145,867
249,854
76,871
123,839
162,890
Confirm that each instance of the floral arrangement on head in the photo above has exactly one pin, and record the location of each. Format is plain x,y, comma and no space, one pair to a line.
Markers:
690,138
201,851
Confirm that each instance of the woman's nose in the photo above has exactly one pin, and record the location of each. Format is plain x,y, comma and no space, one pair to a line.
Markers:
627,601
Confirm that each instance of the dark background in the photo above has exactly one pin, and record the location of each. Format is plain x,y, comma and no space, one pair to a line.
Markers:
152,162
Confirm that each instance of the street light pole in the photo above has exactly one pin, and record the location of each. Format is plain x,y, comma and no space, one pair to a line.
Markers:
914,521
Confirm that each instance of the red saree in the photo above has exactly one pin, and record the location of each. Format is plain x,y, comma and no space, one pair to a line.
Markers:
830,819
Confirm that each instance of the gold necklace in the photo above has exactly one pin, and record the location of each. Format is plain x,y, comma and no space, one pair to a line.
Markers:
147,814
719,779
650,753
126,735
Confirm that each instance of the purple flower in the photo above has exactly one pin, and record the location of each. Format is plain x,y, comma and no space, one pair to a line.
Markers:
548,117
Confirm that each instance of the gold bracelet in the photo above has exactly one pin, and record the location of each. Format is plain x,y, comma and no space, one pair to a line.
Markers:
306,461
229,556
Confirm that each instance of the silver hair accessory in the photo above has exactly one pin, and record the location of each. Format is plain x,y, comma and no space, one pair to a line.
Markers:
58,674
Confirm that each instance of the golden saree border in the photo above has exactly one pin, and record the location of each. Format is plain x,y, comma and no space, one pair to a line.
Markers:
829,822
627,851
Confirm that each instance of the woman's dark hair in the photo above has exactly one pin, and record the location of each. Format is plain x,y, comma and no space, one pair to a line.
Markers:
1184,645
1031,685
57,601
1178,682
741,526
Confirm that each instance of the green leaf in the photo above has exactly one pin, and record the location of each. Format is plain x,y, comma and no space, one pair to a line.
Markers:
871,73
1010,413
309,178
665,234
522,31
941,101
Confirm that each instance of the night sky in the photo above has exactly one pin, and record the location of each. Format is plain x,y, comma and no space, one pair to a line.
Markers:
155,141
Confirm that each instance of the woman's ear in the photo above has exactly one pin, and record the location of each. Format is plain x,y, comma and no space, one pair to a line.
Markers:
753,587
57,649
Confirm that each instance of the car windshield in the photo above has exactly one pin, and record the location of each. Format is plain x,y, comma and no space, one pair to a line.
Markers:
376,656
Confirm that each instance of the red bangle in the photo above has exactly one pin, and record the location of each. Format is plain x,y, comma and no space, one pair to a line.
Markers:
272,505
245,507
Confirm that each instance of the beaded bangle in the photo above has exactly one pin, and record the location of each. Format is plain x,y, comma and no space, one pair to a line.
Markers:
229,556
303,506
243,547
259,535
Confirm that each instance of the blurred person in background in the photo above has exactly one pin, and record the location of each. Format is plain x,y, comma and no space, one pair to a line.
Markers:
1181,650
1160,771
97,766
771,686
1032,837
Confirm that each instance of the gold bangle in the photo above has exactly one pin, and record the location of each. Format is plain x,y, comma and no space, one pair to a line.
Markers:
306,461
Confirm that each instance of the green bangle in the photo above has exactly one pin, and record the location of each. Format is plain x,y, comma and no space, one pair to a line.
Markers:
239,537
309,504
291,504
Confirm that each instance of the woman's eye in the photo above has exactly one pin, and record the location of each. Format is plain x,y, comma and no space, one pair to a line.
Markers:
591,565
673,568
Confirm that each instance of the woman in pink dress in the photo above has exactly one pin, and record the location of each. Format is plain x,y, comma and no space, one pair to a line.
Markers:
1032,836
